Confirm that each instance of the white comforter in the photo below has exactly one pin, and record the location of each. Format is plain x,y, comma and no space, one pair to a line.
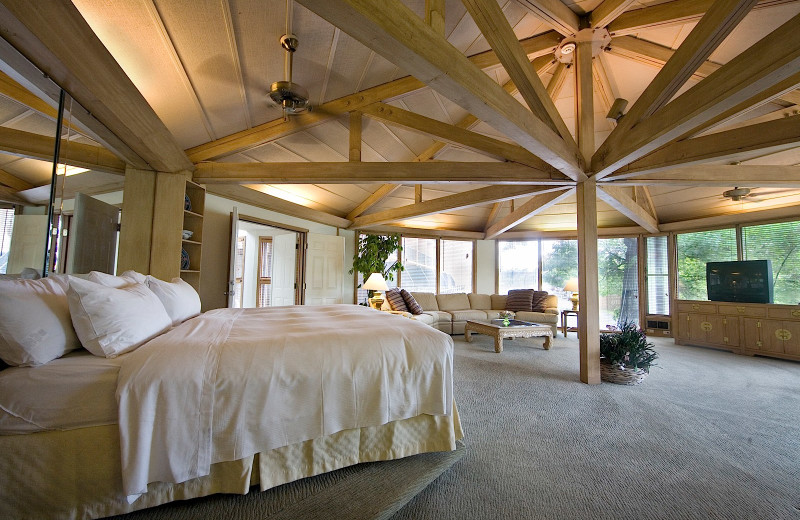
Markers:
232,382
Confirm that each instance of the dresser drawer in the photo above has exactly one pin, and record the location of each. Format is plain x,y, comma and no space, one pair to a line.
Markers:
742,310
697,307
788,312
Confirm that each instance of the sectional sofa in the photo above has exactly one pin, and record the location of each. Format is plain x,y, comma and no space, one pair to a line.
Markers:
450,312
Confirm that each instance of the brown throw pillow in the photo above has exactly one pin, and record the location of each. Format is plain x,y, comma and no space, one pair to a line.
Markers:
411,303
537,304
519,300
396,301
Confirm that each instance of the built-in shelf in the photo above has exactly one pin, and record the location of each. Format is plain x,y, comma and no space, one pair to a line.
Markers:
193,221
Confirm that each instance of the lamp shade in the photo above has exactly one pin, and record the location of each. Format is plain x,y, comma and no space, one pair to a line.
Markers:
571,285
375,282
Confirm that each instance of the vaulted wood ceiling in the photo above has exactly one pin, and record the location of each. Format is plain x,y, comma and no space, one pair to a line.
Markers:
426,115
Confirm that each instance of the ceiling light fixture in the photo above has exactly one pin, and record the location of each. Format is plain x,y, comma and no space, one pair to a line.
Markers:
568,48
292,98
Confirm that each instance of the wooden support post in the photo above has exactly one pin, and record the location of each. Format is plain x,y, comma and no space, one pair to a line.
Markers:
588,293
136,226
418,193
584,100
434,15
355,136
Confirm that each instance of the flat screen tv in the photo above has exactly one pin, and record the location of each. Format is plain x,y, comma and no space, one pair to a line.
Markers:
747,281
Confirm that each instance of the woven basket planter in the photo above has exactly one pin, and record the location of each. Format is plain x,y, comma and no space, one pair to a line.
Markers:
621,375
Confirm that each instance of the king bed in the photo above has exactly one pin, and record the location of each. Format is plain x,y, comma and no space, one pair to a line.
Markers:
217,403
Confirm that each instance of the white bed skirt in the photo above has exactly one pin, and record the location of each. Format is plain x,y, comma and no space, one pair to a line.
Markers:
77,473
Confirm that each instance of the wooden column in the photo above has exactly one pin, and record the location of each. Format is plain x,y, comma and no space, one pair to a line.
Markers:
586,194
165,256
355,136
588,294
136,227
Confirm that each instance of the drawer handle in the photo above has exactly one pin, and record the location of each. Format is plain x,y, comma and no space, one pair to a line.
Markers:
706,326
783,334
695,307
796,313
739,308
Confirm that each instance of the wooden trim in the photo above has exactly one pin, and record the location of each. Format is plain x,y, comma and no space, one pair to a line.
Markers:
395,32
752,72
61,44
423,233
707,35
367,172
270,223
449,202
787,213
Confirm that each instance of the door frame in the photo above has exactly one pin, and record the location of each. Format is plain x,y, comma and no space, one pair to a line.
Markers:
300,258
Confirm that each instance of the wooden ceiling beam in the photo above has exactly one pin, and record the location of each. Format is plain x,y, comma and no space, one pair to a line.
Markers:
555,13
738,144
607,12
9,196
434,172
423,232
618,199
556,82
537,204
492,215
434,15
721,18
462,200
57,39
392,30
14,182
670,13
35,146
719,175
495,27
534,46
765,64
377,196
13,90
454,135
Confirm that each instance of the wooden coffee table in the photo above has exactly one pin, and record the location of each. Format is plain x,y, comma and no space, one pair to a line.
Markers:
515,329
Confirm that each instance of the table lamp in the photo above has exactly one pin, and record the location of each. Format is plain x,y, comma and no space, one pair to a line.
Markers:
375,282
572,287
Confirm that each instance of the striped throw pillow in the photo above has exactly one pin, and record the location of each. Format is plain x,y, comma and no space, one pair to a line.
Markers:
537,304
411,303
396,301
519,300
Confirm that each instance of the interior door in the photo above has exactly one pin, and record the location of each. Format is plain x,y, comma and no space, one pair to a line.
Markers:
27,243
93,236
284,272
232,259
324,269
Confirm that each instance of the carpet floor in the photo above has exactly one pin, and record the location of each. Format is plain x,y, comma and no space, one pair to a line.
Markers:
708,434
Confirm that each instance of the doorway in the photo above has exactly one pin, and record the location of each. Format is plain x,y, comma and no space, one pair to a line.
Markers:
265,264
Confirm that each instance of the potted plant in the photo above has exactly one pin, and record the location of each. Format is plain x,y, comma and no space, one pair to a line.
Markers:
626,356
372,253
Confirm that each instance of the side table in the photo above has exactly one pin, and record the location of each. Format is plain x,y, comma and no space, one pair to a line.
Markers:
564,314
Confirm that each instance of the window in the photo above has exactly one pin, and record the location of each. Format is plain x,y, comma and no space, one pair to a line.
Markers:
618,281
780,243
694,251
6,226
264,289
238,273
559,264
455,273
361,294
419,263
657,276
518,265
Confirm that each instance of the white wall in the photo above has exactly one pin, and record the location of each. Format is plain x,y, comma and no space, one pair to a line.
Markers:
485,257
216,247
252,232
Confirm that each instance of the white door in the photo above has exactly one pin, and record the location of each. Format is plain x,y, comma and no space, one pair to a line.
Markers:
92,236
27,243
284,251
324,269
233,297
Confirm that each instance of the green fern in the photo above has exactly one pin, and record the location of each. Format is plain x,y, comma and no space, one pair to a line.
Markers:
628,347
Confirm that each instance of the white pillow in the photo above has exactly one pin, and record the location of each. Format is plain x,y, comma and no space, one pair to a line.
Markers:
112,321
109,280
35,325
179,298
136,277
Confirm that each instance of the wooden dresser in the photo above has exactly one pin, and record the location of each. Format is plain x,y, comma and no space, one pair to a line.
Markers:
744,328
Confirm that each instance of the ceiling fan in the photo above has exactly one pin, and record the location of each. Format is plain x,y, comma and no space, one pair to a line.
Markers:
291,97
738,194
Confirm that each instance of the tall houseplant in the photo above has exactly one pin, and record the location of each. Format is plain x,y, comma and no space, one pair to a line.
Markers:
626,356
372,254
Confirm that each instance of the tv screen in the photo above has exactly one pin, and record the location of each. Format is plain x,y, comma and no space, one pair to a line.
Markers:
747,281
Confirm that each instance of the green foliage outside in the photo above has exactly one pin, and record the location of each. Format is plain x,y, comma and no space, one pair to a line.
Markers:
694,251
561,264
373,252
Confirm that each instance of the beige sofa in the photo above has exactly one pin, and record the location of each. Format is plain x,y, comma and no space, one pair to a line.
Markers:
450,312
